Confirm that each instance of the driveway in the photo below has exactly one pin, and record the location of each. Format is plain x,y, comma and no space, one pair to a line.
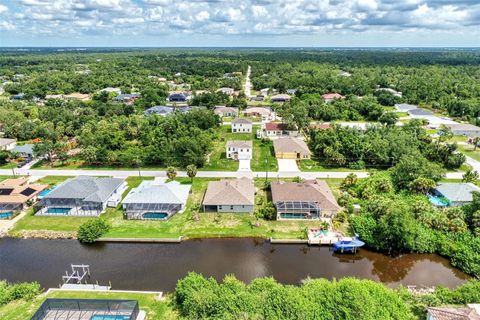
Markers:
287,165
244,165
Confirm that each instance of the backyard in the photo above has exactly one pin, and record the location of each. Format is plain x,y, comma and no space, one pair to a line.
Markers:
261,151
154,309
190,224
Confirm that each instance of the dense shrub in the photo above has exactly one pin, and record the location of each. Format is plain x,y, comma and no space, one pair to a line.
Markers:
15,291
201,298
91,230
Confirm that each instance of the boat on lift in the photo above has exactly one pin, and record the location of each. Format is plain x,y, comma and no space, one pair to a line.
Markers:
347,244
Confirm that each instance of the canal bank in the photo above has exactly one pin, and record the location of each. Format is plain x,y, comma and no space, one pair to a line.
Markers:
158,266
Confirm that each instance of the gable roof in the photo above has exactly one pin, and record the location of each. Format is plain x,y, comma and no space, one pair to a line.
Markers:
463,127
220,109
241,121
289,144
86,188
316,191
155,191
239,144
457,192
230,192
261,110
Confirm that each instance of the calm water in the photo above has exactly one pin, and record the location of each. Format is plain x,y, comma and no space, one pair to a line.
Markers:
159,266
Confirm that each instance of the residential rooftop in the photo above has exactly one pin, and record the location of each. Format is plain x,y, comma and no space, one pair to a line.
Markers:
230,192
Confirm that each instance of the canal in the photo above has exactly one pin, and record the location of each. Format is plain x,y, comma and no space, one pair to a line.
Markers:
152,266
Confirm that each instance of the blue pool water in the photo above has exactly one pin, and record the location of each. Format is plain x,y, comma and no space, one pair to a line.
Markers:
155,215
6,215
438,201
295,216
45,192
58,211
109,317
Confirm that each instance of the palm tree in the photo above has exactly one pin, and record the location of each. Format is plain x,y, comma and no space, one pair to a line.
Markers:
470,176
475,141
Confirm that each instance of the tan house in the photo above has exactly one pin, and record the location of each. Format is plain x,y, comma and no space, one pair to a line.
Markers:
327,97
226,111
14,193
291,148
230,195
311,199
77,96
265,113
280,98
7,144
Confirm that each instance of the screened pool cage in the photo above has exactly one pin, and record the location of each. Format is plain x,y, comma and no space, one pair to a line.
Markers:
89,309
137,211
298,210
70,207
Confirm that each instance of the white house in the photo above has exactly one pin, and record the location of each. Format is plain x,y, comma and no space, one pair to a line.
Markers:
7,144
239,150
240,125
110,90
227,91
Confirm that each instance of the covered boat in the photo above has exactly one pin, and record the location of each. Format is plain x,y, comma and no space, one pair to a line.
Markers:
347,244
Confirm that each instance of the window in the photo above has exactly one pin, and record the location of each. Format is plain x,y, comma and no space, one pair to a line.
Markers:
231,208
219,207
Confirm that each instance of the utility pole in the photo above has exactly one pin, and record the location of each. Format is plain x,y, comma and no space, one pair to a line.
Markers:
266,168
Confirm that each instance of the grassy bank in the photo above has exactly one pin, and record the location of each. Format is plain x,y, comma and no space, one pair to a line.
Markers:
154,309
191,223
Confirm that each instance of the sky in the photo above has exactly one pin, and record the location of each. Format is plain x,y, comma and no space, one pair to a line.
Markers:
243,23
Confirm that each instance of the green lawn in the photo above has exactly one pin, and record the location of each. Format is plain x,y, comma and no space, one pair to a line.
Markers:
191,223
311,165
8,165
75,163
261,150
154,309
469,151
458,139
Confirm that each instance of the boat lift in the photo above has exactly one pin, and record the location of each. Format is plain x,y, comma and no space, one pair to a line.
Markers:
77,279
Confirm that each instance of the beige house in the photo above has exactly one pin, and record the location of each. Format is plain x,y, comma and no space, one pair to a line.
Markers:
291,148
307,200
14,194
280,98
226,111
276,130
7,144
240,125
230,195
239,150
77,96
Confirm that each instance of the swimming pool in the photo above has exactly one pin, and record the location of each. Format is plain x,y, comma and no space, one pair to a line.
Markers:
109,317
45,192
58,211
155,215
438,201
6,215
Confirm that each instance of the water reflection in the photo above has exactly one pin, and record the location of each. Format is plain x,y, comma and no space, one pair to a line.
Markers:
158,266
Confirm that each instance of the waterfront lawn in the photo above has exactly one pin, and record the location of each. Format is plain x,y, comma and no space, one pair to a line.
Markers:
192,223
67,226
154,309
195,224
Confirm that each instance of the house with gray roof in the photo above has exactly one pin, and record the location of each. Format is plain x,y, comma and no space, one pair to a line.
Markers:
230,195
83,196
405,107
24,151
456,194
308,200
156,200
7,144
159,110
464,129
239,149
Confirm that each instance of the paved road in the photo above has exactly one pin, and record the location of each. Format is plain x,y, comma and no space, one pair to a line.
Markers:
160,173
248,84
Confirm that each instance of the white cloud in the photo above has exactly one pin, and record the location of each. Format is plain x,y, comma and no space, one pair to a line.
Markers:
217,17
